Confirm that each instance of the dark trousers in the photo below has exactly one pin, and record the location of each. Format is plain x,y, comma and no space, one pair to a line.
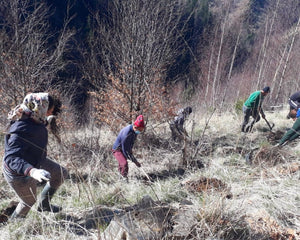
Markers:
291,134
177,131
250,112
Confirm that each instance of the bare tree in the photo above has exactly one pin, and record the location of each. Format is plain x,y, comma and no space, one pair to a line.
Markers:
219,55
131,52
276,57
30,56
288,57
265,53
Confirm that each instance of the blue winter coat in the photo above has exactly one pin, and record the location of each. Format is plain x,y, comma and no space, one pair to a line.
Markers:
125,141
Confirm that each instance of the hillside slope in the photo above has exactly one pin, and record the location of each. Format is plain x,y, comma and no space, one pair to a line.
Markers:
232,185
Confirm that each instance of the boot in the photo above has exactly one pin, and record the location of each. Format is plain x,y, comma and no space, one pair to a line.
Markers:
46,196
243,128
249,127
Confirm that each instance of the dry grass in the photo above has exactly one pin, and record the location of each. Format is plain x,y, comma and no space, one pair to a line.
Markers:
231,198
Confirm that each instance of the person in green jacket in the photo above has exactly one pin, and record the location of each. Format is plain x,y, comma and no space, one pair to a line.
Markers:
293,132
253,108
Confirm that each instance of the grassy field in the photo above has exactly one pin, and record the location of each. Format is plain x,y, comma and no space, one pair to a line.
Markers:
239,186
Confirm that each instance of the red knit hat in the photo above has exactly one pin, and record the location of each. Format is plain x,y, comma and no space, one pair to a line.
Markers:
139,122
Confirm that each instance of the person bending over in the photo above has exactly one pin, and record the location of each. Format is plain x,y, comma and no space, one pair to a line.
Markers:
294,132
122,148
177,125
294,102
253,107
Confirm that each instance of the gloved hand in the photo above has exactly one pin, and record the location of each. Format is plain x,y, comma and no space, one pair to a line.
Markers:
40,174
133,159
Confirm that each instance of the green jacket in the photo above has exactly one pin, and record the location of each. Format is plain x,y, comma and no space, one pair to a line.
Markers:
255,100
292,133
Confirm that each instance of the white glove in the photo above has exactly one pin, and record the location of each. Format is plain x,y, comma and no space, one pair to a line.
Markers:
40,174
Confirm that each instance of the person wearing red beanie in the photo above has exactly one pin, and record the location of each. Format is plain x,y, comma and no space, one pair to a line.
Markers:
122,148
139,122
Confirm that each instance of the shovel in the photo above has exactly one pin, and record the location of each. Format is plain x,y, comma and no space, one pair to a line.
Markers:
270,126
149,179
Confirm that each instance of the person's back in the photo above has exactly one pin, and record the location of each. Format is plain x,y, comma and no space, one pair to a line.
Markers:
125,140
294,101
254,100
176,125
295,96
253,108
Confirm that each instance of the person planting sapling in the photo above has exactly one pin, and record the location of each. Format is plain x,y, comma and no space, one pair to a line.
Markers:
253,108
122,148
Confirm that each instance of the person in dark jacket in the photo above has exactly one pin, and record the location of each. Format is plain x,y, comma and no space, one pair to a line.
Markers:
25,159
253,107
122,148
294,102
177,125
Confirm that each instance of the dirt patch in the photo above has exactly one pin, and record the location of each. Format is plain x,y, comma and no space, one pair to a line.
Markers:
262,223
289,168
274,137
270,156
7,212
206,184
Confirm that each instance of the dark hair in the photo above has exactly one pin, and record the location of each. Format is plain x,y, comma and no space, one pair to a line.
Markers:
188,110
54,101
266,89
293,113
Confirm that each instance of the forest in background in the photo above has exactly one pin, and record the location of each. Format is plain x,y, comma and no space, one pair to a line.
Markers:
116,59
109,60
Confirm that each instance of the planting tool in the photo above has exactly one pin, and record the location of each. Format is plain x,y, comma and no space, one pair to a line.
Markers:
149,179
270,126
145,174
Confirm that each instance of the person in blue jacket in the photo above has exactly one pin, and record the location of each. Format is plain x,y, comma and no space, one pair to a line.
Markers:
122,148
294,102
25,159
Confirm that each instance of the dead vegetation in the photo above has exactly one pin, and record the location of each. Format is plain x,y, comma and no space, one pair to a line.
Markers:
232,186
